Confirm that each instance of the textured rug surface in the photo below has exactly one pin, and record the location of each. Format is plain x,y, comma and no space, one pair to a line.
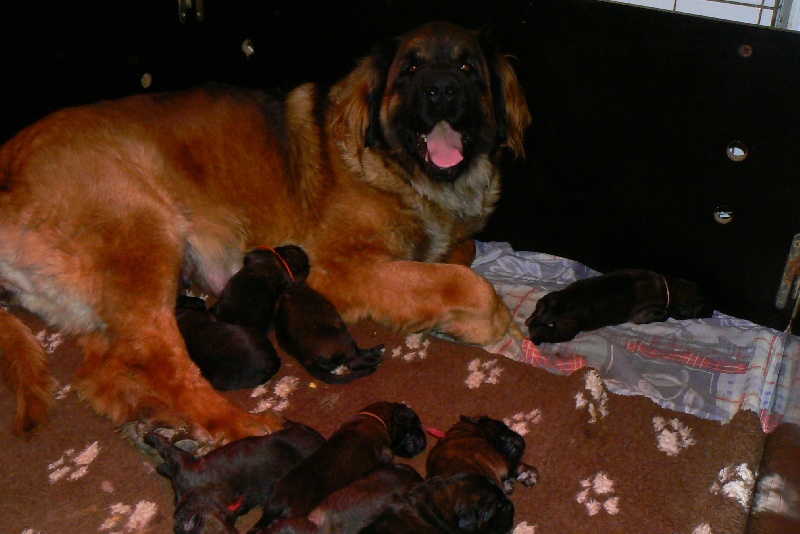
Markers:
608,463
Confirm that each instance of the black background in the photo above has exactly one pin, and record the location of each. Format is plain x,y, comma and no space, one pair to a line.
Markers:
632,112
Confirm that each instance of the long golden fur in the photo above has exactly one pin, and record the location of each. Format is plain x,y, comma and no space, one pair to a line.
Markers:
105,208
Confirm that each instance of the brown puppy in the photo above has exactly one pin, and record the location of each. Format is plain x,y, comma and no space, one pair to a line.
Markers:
465,502
374,436
628,295
354,506
106,208
484,446
309,329
211,492
250,296
230,356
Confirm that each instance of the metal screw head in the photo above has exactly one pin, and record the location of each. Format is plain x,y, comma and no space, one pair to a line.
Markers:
723,215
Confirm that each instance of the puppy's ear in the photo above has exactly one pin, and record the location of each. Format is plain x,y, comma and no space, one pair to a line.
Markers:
356,101
176,461
510,106
511,445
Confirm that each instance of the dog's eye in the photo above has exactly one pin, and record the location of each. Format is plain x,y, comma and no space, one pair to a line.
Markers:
410,69
466,68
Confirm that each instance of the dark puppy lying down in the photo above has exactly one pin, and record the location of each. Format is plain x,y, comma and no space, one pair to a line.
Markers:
270,290
213,491
355,505
310,330
230,356
249,296
618,297
459,503
483,446
373,437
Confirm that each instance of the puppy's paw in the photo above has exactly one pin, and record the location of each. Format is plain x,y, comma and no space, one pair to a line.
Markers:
528,475
367,358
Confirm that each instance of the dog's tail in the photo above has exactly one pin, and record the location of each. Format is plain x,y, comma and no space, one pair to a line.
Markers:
26,370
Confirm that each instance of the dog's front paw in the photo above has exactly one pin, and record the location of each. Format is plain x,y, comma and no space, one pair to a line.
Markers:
194,441
486,321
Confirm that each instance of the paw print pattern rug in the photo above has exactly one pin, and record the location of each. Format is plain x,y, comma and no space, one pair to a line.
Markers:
608,463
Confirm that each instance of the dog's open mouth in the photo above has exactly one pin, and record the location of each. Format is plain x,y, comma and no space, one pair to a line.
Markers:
443,146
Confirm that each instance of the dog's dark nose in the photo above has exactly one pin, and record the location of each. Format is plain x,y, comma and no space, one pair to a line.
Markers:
441,90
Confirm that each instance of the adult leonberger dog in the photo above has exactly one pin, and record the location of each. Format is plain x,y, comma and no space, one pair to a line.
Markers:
106,208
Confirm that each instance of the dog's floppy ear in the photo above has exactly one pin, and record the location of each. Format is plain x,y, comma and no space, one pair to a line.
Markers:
510,106
356,101
382,56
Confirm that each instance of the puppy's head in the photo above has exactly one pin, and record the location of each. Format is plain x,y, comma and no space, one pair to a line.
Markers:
283,264
297,261
404,427
686,300
478,504
408,438
191,308
186,302
201,513
497,434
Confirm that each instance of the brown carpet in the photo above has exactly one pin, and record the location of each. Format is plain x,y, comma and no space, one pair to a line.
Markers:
608,463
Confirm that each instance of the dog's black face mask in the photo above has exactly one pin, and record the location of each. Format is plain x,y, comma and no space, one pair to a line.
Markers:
442,121
435,107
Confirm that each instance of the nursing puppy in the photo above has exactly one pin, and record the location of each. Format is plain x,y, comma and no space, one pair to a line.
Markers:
354,506
465,502
373,437
628,295
249,297
309,329
483,446
215,489
230,356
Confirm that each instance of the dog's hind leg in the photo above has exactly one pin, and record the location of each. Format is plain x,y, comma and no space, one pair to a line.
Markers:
137,366
112,282
24,366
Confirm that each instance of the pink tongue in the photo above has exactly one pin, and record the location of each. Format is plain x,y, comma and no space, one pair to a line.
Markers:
444,146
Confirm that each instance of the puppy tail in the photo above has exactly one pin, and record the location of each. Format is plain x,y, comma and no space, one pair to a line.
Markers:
26,370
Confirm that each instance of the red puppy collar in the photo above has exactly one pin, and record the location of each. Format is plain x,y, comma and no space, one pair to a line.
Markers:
286,265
